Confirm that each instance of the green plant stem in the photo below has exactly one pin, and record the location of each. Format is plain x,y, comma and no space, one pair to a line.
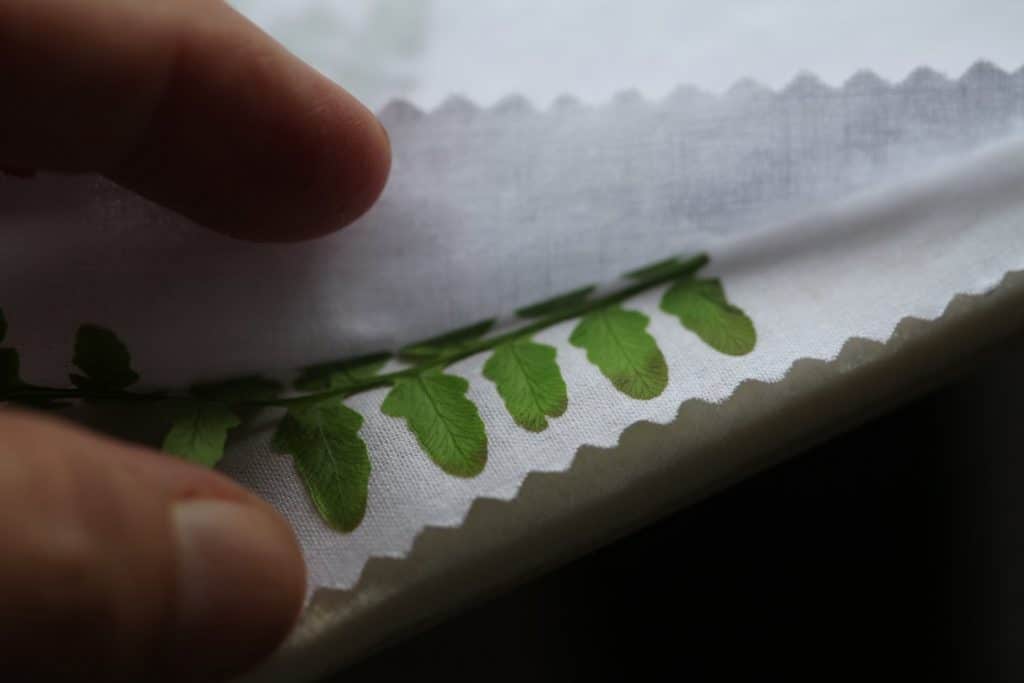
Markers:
29,392
684,269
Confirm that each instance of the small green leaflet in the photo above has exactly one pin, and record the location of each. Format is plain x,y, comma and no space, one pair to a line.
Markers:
559,305
529,382
341,374
9,368
103,358
322,434
445,422
703,309
10,376
9,363
456,340
323,440
617,342
199,434
668,268
200,429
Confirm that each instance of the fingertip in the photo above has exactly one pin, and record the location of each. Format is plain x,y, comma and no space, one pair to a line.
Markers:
332,173
361,169
248,140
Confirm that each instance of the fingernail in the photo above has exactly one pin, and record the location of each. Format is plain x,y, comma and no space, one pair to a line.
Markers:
240,580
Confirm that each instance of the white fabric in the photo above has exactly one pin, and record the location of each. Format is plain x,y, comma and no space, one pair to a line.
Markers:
417,263
490,210
427,50
854,271
653,469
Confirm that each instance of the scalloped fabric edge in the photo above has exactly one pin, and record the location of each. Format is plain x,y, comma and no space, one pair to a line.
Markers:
375,610
983,74
848,249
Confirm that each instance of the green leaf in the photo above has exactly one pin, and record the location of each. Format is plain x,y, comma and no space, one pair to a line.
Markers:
10,381
9,369
668,268
341,374
456,340
703,309
565,303
616,341
323,440
103,358
445,422
10,378
529,382
200,432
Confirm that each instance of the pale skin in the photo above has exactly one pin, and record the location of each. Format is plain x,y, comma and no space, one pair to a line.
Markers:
119,563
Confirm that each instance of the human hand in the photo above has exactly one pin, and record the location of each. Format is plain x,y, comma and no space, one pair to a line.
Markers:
124,565
119,563
189,104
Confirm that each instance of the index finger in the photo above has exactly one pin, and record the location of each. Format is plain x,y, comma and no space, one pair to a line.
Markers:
191,105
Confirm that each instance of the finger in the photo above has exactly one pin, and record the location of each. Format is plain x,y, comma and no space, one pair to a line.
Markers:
138,566
188,103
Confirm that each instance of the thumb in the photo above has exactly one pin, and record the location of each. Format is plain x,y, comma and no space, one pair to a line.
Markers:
120,564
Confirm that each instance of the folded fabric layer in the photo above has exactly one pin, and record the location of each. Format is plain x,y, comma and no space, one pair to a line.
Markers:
650,280
427,50
490,211
886,264
486,211
557,517
855,270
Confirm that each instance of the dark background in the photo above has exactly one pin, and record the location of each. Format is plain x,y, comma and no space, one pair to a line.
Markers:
894,552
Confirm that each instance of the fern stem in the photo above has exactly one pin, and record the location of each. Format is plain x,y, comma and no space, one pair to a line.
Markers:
28,393
684,269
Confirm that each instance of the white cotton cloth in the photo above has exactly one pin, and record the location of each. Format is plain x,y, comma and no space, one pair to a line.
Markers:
831,209
485,50
490,210
855,270
655,467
